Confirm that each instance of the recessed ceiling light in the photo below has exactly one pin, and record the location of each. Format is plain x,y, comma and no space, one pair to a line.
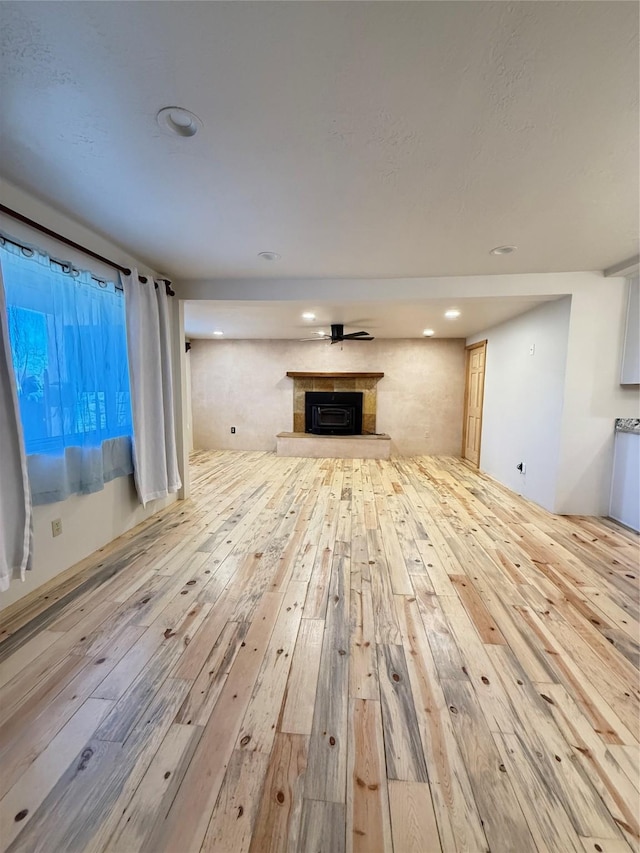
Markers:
322,333
269,256
428,333
452,313
178,121
308,316
218,333
503,250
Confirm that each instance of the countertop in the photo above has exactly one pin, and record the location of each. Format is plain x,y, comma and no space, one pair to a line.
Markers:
628,425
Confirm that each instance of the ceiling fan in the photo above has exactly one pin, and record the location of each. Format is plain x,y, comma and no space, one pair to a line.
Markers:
338,335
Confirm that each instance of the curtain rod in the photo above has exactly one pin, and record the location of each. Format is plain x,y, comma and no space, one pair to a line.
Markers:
125,270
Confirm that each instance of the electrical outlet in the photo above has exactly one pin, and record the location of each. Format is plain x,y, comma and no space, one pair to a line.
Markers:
56,527
532,349
233,430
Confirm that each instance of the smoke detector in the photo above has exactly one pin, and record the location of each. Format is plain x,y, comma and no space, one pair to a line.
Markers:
178,121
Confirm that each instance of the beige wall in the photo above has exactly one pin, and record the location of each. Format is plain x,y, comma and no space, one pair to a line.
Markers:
244,384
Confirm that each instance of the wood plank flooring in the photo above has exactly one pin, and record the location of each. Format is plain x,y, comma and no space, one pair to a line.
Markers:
330,655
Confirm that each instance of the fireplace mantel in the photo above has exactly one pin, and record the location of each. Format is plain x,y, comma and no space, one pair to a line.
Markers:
305,374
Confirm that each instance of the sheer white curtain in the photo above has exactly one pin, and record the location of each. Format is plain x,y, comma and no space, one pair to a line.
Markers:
16,534
69,351
155,458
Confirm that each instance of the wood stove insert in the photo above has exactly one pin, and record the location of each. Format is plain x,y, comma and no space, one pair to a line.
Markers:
333,412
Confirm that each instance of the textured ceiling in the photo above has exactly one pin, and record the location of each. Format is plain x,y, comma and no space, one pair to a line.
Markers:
356,139
398,319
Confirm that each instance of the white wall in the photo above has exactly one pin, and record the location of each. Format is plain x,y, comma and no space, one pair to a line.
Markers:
523,400
594,398
244,384
88,521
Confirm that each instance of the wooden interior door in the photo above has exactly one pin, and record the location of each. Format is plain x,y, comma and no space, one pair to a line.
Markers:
473,398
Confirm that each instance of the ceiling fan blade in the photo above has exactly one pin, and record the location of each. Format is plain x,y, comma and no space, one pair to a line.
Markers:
317,338
356,335
347,338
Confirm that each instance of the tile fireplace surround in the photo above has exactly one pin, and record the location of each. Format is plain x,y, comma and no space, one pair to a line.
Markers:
365,382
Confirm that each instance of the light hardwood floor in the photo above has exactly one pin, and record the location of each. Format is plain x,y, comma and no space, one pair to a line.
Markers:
328,655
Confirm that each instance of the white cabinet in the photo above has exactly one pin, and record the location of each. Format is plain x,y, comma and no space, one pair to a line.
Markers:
625,483
630,374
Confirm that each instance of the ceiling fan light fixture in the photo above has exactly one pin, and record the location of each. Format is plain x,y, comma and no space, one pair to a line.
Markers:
338,335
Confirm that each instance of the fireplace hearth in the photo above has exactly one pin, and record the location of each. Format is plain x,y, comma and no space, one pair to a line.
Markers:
333,412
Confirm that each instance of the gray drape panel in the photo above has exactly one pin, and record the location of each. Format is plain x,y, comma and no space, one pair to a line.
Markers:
155,457
16,532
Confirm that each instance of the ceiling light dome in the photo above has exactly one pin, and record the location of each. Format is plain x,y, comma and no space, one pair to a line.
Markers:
178,121
269,256
428,333
503,250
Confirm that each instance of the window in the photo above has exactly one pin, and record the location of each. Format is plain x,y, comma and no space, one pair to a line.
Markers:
69,352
